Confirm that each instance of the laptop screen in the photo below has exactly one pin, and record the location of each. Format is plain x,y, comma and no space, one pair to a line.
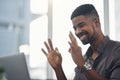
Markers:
15,67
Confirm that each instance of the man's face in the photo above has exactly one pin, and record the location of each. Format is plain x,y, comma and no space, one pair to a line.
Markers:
84,27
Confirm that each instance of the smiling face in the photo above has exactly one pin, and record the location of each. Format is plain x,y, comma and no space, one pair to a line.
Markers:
85,28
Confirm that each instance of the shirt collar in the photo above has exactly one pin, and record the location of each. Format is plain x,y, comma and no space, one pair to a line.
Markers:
101,47
103,44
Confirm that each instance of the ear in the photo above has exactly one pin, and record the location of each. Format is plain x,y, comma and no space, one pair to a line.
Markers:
97,22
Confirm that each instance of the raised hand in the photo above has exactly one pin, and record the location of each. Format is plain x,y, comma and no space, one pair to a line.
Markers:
75,50
53,55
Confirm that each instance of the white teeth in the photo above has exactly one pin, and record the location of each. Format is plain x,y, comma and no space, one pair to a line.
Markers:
82,37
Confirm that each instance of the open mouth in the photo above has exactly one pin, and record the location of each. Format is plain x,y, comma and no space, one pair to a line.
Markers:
82,37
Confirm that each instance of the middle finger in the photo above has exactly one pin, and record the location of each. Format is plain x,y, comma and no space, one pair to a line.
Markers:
50,44
47,46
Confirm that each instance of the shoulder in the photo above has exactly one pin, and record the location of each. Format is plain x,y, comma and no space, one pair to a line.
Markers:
115,45
114,50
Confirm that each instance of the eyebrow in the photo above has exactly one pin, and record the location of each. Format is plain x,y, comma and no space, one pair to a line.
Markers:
81,23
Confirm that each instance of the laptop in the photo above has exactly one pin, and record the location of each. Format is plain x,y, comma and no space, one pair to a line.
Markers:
15,66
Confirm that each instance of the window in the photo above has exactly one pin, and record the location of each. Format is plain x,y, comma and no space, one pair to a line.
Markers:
61,26
38,34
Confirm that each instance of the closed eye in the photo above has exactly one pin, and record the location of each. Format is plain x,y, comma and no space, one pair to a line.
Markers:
80,25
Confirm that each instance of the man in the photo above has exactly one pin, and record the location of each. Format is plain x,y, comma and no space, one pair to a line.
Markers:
102,59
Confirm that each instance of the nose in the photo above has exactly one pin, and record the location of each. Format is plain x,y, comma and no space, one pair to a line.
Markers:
77,31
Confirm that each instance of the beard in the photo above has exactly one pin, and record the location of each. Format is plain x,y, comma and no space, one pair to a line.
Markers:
89,39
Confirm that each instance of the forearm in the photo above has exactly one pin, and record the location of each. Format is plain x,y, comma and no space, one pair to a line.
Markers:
93,75
60,74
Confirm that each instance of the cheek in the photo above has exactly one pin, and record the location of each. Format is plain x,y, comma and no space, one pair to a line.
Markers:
93,30
90,31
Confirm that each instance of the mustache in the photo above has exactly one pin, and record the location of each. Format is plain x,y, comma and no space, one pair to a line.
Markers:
81,34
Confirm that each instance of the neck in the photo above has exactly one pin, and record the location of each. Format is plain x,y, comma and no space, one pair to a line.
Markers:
95,44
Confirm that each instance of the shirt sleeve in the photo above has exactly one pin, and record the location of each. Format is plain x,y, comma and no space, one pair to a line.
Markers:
115,70
79,75
115,75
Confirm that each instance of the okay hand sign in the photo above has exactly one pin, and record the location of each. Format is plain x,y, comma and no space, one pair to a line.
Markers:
53,55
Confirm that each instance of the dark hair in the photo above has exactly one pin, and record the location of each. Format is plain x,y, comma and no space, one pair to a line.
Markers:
86,9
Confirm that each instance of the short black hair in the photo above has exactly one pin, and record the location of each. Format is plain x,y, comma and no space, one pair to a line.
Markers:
85,9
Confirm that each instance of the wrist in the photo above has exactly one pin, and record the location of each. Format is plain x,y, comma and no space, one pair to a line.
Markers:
81,64
86,67
58,68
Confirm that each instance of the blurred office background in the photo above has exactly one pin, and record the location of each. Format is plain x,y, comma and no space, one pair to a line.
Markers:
26,24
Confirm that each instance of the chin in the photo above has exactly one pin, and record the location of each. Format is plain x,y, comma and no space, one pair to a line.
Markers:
85,42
